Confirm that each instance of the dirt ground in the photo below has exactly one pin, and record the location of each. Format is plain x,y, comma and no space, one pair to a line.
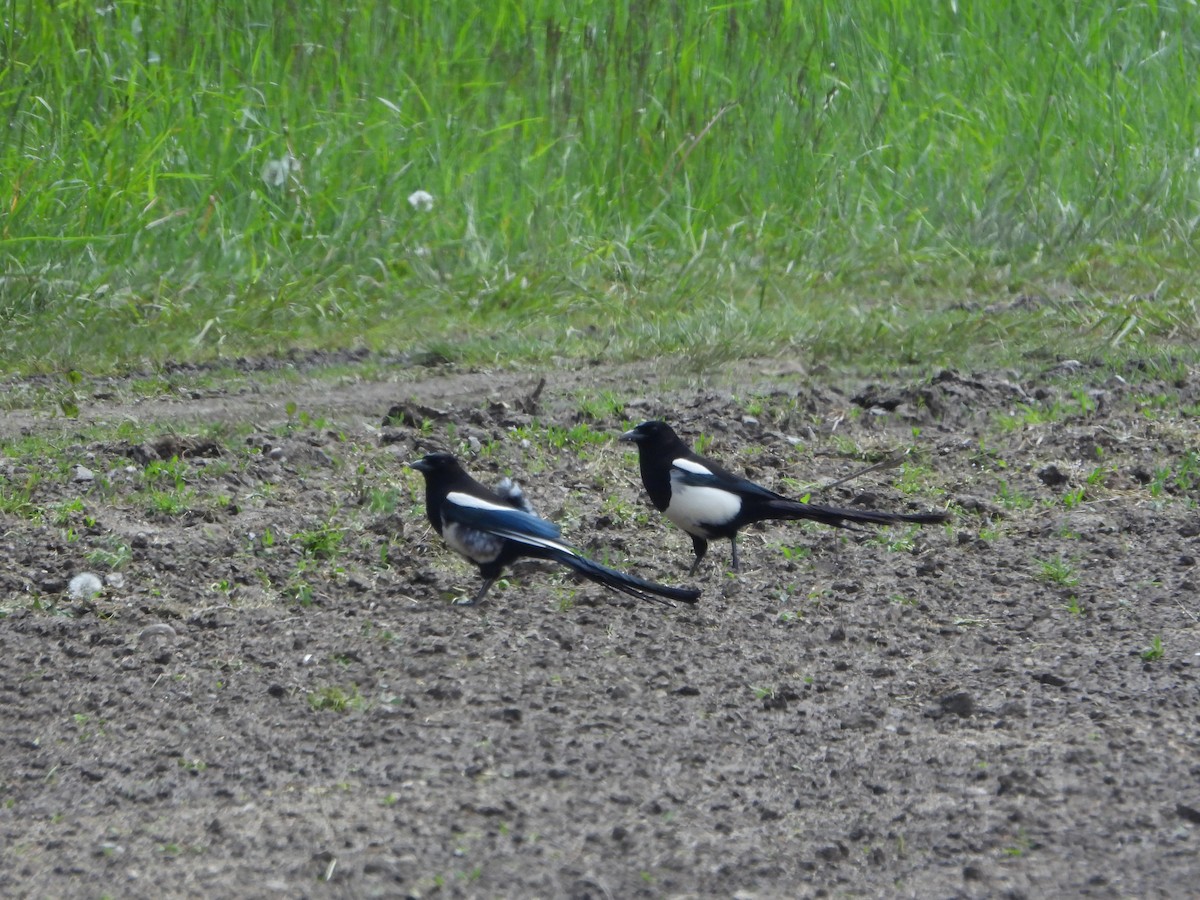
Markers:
273,694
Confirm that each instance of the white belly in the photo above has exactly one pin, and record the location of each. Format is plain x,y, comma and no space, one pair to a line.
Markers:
477,546
695,509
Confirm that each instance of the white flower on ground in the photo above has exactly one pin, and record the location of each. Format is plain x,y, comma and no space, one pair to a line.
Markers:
84,586
275,172
422,200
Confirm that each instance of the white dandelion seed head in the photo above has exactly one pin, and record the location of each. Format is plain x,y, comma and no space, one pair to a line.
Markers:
421,200
275,172
84,586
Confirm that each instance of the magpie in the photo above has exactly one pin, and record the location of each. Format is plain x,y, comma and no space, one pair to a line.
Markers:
708,501
494,528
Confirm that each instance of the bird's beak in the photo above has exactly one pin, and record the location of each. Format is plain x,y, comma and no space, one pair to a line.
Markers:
632,436
419,464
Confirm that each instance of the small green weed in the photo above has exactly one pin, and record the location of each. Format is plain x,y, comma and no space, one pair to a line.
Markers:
383,501
1072,499
17,499
915,479
335,699
1155,651
601,406
322,542
1011,498
1057,571
170,503
796,553
116,556
896,540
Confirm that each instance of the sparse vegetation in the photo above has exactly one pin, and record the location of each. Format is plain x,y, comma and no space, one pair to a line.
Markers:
1057,571
336,699
1011,498
323,541
1155,651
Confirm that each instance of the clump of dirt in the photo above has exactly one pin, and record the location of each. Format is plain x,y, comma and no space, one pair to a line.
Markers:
272,692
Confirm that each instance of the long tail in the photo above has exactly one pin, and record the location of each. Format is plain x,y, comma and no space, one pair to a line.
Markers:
626,584
832,515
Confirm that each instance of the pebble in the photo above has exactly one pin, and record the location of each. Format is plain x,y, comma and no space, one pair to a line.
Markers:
960,703
158,630
82,475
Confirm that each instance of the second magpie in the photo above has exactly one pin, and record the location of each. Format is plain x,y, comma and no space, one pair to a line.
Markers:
494,528
709,502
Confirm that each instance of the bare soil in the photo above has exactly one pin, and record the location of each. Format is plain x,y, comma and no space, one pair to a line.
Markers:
250,707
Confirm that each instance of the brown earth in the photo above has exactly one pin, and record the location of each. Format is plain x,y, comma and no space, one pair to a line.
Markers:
250,708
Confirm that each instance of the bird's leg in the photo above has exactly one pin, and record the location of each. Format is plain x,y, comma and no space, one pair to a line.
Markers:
700,545
474,601
733,544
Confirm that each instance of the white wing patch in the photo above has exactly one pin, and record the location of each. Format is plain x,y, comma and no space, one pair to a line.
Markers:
694,508
460,499
690,466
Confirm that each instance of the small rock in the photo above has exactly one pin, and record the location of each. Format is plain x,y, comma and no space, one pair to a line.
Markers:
834,852
960,703
1012,708
1191,813
981,506
1052,476
1067,365
927,568
160,630
1051,679
82,475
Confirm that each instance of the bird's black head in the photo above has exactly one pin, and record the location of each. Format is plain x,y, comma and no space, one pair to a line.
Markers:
650,434
433,464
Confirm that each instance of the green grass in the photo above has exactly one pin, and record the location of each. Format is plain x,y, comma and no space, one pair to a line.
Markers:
941,182
1059,571
1155,651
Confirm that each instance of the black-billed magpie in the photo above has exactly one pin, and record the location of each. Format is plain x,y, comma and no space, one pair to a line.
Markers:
708,501
493,528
